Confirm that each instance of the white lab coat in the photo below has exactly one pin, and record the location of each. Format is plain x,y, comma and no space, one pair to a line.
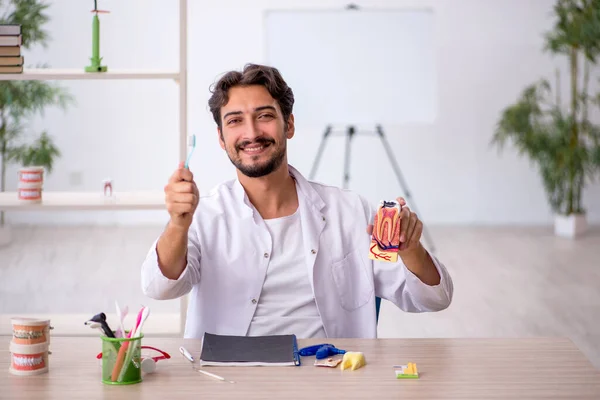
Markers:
228,256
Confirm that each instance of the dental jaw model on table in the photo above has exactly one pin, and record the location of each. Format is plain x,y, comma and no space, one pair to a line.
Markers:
29,347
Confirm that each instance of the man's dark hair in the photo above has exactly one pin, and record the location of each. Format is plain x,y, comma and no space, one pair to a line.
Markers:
252,74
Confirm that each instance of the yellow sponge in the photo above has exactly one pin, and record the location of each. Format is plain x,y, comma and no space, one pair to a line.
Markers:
407,371
353,360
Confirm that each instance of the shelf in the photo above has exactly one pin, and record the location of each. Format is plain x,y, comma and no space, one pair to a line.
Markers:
70,201
44,74
72,324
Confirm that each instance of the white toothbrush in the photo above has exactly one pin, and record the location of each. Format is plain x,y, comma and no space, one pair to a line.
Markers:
192,144
121,316
137,331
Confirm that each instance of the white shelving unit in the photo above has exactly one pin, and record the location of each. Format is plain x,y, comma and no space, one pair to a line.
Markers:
124,201
49,74
78,201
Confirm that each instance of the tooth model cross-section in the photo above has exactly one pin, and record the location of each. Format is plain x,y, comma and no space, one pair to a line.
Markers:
385,239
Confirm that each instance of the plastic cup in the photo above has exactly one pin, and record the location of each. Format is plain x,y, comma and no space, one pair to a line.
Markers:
121,360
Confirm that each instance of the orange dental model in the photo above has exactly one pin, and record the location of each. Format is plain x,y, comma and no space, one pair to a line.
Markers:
385,239
29,347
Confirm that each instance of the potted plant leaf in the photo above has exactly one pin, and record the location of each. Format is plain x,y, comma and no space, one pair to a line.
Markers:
560,138
22,99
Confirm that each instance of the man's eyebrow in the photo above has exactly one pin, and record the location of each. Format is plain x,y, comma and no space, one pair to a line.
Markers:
265,108
261,108
231,113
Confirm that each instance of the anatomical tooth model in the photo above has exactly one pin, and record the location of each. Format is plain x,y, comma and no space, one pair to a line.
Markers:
385,240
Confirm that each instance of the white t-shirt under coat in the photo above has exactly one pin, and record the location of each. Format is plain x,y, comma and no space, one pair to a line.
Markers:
286,304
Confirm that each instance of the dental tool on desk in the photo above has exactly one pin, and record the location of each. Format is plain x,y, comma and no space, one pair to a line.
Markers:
94,325
101,319
186,354
189,357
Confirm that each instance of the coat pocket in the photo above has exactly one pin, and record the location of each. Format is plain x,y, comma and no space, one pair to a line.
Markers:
352,281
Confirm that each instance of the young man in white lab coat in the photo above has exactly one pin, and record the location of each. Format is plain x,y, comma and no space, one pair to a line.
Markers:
273,253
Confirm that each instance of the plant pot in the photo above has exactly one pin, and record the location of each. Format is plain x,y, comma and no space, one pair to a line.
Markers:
570,226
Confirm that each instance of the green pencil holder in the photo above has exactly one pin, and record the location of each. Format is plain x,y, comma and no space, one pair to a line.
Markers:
121,360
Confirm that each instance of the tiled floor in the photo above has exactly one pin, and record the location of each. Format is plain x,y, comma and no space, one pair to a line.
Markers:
508,281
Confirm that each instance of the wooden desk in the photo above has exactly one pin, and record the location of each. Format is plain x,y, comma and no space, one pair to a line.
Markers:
541,368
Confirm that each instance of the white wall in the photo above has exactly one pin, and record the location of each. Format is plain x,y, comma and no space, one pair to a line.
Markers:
486,52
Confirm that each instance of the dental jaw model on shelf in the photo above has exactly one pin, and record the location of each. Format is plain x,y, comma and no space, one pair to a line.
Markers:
31,182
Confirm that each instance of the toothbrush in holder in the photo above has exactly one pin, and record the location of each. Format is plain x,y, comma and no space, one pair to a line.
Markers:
192,144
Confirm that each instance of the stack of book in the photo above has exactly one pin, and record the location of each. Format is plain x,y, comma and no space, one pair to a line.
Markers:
11,60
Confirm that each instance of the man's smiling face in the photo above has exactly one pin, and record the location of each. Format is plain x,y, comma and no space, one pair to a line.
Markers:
253,131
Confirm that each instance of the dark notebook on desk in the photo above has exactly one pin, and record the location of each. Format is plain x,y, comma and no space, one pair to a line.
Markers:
222,350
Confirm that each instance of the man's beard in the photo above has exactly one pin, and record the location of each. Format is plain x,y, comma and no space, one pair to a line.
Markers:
262,169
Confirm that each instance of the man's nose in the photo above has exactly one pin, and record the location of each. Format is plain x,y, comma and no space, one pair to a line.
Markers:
251,131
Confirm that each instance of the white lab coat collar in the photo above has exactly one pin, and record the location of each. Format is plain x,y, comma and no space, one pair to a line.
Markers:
303,186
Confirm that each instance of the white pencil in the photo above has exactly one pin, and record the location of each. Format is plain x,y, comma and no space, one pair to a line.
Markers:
189,357
213,375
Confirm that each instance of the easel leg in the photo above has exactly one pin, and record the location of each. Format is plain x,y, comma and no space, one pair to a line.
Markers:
313,171
403,185
349,135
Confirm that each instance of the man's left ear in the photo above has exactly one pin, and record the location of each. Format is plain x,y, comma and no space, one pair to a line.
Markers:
291,129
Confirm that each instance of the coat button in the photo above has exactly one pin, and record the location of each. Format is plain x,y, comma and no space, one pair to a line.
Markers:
313,251
266,255
254,301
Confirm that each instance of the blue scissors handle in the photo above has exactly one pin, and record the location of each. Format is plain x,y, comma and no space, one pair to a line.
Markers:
320,350
311,350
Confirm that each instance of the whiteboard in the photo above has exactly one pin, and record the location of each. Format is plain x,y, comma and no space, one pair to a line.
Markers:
362,67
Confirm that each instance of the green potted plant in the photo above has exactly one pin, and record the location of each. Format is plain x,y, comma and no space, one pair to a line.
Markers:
560,138
22,99
41,153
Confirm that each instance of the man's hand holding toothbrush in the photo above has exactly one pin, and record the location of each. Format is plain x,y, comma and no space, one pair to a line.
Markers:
181,197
